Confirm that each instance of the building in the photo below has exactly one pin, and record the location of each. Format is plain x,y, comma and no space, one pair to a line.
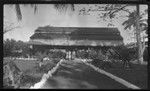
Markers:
71,38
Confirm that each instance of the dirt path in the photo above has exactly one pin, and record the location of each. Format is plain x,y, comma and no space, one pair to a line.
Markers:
76,75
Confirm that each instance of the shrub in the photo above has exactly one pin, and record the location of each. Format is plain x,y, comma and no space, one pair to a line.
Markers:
112,55
56,54
101,55
29,79
40,55
123,53
92,54
133,53
81,54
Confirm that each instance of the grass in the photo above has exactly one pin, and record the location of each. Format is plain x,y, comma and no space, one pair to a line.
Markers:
137,74
31,72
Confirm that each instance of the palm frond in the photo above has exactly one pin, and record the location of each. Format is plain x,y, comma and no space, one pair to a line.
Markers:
128,26
35,7
132,19
128,23
143,24
64,7
145,29
143,20
18,12
125,22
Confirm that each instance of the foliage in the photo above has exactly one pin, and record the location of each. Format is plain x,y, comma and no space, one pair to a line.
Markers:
56,54
8,26
101,55
111,12
81,54
40,56
107,58
50,55
11,74
8,47
19,11
15,48
64,7
124,53
92,54
60,54
59,7
29,79
133,53
133,18
101,58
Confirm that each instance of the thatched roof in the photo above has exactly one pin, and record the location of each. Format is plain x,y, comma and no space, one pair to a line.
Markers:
76,36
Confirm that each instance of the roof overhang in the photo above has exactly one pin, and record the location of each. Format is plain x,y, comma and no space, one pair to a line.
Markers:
62,42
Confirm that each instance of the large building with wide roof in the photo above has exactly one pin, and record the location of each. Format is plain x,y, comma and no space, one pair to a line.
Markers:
74,37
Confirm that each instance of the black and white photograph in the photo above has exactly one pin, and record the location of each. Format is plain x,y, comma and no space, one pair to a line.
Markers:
75,46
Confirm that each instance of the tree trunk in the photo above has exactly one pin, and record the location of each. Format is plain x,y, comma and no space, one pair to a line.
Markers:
138,36
143,46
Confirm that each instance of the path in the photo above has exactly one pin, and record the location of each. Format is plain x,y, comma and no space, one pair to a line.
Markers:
77,75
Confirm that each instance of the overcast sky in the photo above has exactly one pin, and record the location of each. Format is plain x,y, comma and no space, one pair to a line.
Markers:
48,15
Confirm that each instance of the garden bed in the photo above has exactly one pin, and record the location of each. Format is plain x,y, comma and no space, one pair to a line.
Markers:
32,73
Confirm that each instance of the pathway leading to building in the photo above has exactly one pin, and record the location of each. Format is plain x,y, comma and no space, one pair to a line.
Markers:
75,74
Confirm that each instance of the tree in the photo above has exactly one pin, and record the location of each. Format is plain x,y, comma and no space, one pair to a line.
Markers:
12,48
8,26
110,11
8,47
138,37
19,12
133,19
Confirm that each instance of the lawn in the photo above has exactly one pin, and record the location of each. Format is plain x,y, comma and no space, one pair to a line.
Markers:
31,72
137,74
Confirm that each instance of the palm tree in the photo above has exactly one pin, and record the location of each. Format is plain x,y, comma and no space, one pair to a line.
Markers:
135,20
9,26
18,10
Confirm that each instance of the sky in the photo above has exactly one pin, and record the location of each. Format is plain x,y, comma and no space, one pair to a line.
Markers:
47,15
